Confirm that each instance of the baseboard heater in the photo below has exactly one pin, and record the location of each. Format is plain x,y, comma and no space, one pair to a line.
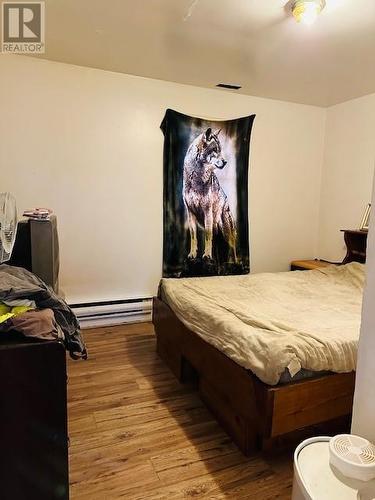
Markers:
113,312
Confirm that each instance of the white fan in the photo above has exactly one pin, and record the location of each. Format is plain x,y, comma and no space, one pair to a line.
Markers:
353,456
8,225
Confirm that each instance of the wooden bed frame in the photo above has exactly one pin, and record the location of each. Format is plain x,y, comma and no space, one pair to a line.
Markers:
251,412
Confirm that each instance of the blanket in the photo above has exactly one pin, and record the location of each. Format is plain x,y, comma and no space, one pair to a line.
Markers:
268,322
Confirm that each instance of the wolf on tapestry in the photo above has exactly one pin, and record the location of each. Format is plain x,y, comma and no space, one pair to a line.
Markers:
205,219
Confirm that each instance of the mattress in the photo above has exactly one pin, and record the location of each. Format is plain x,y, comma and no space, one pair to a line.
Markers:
276,324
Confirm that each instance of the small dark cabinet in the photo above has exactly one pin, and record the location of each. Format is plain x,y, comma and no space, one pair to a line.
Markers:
356,243
33,420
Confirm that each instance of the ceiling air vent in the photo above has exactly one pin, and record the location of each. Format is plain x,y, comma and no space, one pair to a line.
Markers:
229,86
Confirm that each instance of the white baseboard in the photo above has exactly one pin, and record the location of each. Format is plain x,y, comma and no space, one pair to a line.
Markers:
95,315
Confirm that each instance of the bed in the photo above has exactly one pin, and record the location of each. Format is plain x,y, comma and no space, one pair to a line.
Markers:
270,353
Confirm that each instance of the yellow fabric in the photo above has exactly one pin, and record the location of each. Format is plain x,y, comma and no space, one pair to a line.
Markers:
4,309
6,316
20,310
7,312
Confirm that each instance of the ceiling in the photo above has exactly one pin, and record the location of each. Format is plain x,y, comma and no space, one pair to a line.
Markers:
253,43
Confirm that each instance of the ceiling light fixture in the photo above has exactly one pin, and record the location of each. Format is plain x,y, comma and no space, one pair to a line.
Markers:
307,11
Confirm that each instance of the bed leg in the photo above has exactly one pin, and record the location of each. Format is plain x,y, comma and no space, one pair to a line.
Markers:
242,429
171,358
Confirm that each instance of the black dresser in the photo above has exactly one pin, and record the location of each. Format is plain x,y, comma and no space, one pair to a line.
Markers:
33,420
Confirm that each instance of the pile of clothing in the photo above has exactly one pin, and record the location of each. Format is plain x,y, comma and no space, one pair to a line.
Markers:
23,316
29,306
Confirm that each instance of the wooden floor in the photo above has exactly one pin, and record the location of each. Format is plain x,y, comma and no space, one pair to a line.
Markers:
136,433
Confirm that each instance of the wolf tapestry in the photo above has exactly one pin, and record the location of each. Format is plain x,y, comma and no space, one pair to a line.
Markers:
205,195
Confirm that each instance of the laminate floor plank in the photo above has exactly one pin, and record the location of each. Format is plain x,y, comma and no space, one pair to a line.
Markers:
136,433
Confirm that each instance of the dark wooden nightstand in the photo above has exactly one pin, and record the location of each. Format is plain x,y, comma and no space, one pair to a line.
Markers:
304,265
356,243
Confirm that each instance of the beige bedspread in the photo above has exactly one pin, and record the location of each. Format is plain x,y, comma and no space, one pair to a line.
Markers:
271,321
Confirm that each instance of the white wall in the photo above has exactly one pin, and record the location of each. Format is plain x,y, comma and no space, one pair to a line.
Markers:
347,179
347,172
363,423
87,143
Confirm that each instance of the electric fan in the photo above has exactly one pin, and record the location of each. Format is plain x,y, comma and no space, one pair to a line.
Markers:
8,225
353,456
